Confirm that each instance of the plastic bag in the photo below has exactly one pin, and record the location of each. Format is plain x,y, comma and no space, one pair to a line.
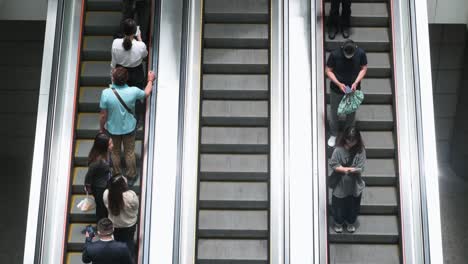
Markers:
350,102
87,204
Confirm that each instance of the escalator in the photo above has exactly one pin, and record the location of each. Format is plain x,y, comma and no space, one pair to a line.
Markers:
101,20
378,236
233,183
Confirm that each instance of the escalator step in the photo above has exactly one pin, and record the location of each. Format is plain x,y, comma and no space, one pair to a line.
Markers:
234,140
371,39
379,144
380,172
74,258
367,14
88,126
83,146
79,174
76,239
105,23
89,98
378,64
222,86
374,117
356,253
236,11
233,195
95,73
371,229
235,61
224,251
235,113
377,200
97,48
103,5
235,36
376,91
219,167
232,224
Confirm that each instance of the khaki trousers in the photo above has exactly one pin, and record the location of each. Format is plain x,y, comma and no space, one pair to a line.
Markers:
128,142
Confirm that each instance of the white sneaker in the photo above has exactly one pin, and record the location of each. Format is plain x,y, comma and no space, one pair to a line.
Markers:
331,141
338,228
351,228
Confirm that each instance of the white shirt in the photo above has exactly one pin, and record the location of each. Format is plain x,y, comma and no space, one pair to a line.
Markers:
129,214
128,58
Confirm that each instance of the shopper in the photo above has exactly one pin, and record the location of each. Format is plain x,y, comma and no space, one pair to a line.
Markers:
122,204
337,23
139,11
347,164
346,66
117,117
106,250
99,171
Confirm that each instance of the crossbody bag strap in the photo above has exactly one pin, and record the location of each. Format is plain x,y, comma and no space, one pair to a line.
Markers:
122,101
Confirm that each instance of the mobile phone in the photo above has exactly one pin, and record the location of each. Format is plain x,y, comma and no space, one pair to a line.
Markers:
348,89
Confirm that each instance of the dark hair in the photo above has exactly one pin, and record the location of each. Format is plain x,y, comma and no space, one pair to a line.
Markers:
105,226
129,28
118,185
100,147
119,75
352,133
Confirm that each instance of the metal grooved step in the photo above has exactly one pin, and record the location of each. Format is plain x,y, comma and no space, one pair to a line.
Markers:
377,238
234,202
102,21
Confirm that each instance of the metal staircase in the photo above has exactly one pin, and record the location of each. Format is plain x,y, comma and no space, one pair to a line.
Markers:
100,22
233,192
377,239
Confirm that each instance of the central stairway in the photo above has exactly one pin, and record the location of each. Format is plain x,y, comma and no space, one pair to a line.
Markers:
377,239
233,184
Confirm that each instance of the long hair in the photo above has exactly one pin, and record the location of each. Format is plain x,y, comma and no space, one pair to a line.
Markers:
352,134
118,185
129,29
100,147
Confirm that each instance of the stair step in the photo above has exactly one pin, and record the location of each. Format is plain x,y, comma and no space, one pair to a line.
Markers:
222,86
232,167
236,11
103,5
225,251
235,36
371,39
105,23
366,14
379,144
89,98
376,91
364,253
76,239
233,191
79,174
234,140
380,172
97,48
235,61
74,258
83,146
88,126
95,73
377,200
371,229
374,117
232,224
235,113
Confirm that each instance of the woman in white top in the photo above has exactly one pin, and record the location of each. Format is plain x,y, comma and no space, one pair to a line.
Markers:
129,52
122,205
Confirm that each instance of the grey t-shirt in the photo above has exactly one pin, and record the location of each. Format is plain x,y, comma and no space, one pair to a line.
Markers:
350,184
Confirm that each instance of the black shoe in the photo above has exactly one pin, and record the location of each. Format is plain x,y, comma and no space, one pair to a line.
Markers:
332,31
345,32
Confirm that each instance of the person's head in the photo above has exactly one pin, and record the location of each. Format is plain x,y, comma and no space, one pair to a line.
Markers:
105,227
129,29
349,48
101,146
351,139
118,185
119,76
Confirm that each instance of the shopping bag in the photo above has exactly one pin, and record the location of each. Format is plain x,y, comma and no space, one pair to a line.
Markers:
350,102
87,204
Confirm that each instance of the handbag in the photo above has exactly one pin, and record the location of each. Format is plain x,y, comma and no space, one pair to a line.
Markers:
335,177
350,102
87,204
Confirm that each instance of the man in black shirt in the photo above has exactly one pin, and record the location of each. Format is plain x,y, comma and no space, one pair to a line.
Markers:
335,22
106,250
346,66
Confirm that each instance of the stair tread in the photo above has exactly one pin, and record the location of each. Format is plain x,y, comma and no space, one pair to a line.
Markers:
103,5
233,163
368,38
233,220
102,22
367,14
236,11
235,86
232,249
235,35
95,73
234,135
371,253
89,98
226,108
370,229
97,47
233,191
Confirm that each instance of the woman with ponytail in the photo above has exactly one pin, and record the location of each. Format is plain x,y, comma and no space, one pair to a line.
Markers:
122,204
